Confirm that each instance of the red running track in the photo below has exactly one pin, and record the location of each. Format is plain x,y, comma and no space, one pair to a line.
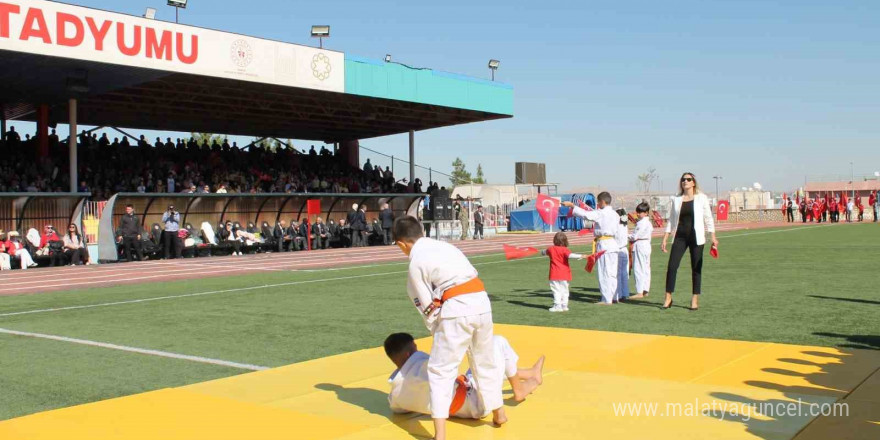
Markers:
33,281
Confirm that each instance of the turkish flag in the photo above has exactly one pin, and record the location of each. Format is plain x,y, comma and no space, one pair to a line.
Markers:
722,210
871,199
583,232
591,261
714,252
513,252
548,209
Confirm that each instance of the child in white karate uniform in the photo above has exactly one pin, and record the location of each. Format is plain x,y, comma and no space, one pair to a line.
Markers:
606,222
410,391
622,239
452,300
641,243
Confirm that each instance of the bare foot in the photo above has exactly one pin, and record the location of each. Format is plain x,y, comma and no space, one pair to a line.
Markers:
637,296
499,417
539,370
602,303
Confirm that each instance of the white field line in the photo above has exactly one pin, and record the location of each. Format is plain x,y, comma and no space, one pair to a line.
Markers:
214,292
145,351
243,265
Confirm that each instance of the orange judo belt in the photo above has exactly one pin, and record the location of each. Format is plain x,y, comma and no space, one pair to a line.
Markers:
473,286
460,395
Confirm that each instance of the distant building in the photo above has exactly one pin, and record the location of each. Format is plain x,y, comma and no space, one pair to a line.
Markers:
745,200
819,189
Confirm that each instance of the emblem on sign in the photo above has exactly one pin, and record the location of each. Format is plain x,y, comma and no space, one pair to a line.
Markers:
241,53
321,66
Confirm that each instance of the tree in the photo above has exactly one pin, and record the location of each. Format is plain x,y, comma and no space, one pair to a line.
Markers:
460,176
646,179
480,178
207,139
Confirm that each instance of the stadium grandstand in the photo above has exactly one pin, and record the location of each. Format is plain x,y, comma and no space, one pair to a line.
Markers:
81,66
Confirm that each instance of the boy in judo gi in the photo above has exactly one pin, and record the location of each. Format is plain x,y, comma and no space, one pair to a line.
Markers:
607,222
410,385
445,288
641,243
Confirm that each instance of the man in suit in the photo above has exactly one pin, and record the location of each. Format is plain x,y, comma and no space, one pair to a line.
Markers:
387,218
354,228
359,229
478,223
278,236
344,233
304,234
297,242
321,234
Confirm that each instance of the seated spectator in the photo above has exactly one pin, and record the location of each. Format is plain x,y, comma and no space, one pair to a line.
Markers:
15,248
5,261
278,236
52,245
229,235
320,234
297,240
75,247
344,234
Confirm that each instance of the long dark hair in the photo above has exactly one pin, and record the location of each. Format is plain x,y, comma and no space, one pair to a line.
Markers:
76,231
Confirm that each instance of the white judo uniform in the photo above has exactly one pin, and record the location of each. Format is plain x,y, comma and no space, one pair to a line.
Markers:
606,226
622,240
410,389
641,238
463,325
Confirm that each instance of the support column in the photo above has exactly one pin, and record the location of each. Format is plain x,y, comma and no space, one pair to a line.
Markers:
350,151
412,158
2,125
43,131
74,178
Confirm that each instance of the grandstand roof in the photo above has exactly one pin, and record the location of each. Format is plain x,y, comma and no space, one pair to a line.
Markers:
150,74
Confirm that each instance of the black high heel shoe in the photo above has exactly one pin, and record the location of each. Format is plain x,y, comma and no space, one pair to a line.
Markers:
666,307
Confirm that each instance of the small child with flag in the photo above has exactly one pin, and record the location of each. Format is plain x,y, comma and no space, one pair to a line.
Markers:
560,271
606,222
641,251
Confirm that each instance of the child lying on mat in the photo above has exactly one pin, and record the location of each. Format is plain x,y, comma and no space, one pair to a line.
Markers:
409,382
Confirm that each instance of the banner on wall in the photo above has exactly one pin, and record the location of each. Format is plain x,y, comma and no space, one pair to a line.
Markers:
68,31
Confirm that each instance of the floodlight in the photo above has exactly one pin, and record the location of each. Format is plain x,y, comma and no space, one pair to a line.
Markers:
388,58
493,66
177,3
150,14
320,32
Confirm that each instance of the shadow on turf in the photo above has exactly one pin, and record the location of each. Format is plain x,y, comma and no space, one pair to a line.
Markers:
376,402
855,300
576,295
865,342
831,367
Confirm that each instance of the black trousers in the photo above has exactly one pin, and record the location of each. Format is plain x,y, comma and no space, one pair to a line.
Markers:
679,245
173,246
320,242
236,245
130,242
790,216
77,256
478,230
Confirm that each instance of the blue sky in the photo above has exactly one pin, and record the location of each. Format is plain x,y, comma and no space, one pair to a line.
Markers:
756,91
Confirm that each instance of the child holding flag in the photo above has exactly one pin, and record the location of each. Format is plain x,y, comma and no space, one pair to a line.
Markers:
606,222
452,300
641,244
560,271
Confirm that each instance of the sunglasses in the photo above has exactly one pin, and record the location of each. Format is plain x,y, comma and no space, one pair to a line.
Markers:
687,179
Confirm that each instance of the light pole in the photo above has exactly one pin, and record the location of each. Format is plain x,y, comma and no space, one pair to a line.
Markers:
852,180
493,66
320,32
717,178
178,5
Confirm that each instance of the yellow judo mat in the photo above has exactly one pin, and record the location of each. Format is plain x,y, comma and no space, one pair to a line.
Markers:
594,383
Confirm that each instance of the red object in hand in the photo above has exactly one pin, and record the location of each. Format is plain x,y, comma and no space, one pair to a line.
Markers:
513,252
591,260
713,252
548,209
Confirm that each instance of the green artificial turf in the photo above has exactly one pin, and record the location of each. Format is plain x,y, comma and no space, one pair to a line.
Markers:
811,286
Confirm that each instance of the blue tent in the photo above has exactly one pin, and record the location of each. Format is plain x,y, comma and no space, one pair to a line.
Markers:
526,218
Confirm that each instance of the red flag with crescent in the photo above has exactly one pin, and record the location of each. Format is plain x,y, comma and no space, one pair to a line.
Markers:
548,209
722,210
